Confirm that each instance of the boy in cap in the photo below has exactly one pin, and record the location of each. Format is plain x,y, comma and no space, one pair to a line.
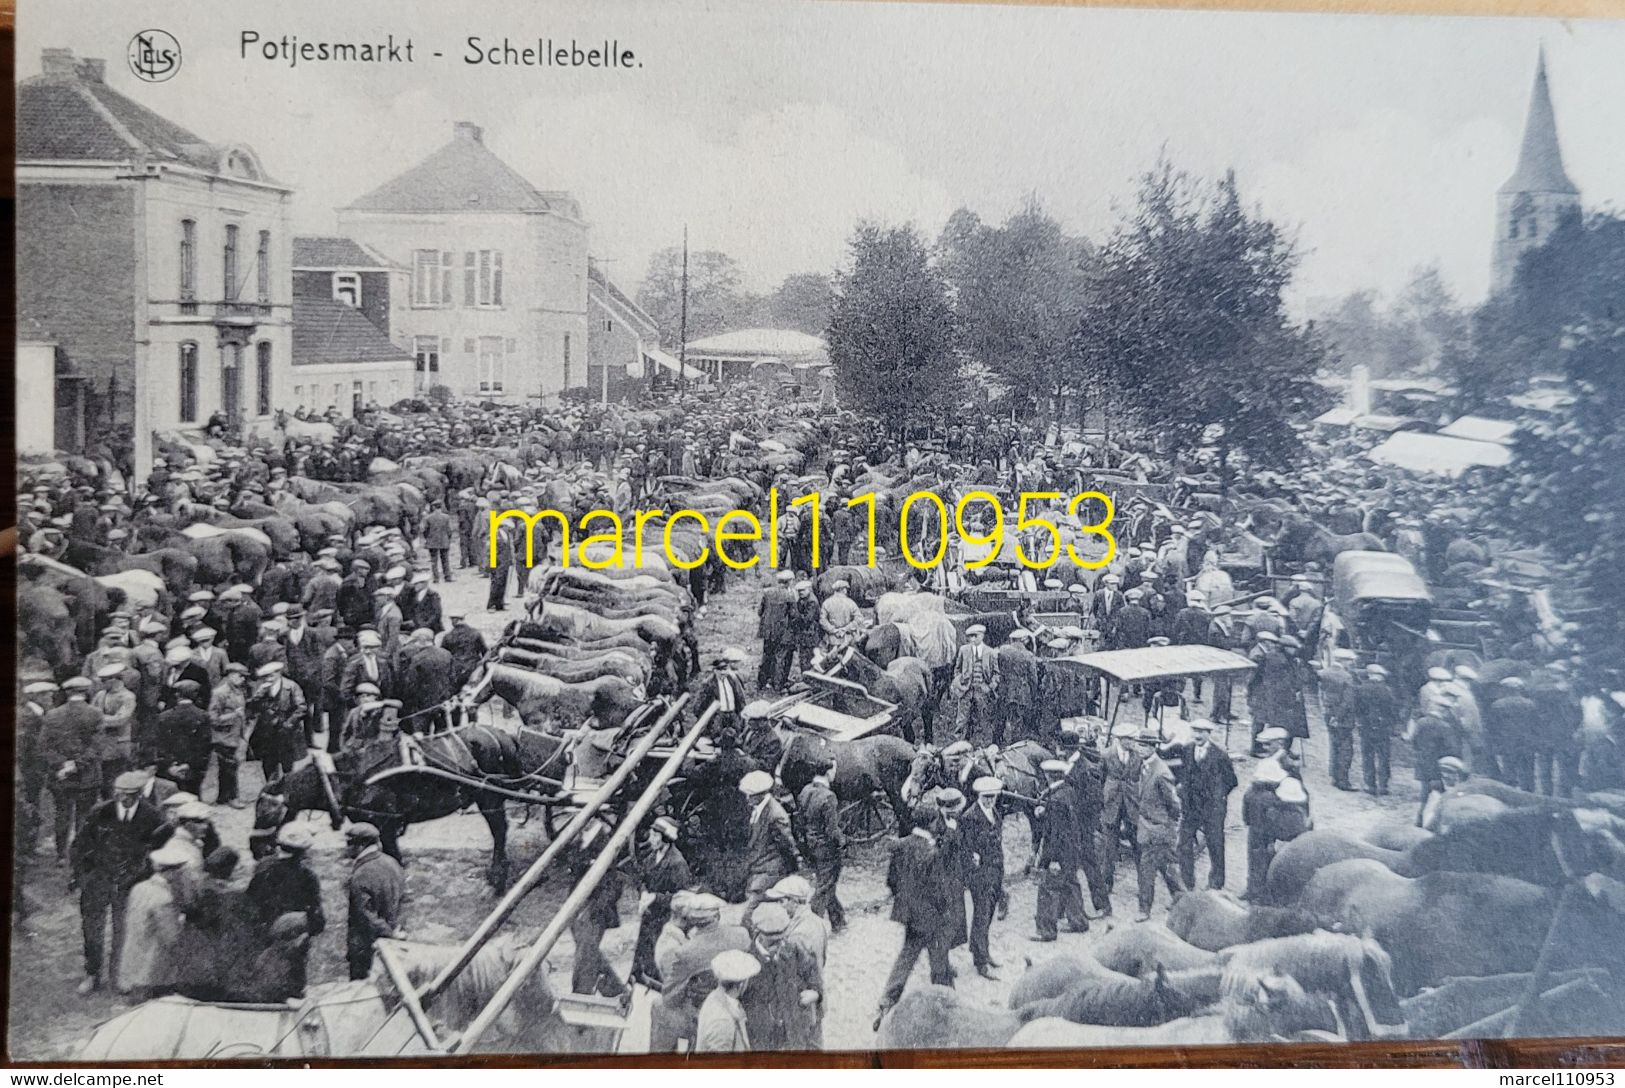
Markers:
377,892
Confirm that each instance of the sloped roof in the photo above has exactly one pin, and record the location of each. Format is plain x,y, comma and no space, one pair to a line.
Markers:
462,176
1540,159
614,298
758,342
334,252
69,113
328,331
1436,454
1481,429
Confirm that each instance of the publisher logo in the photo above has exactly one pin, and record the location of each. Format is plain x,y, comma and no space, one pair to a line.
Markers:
155,55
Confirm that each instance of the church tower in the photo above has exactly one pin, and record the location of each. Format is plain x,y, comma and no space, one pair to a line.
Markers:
1538,195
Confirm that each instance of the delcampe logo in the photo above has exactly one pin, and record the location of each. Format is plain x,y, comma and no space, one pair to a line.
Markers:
155,55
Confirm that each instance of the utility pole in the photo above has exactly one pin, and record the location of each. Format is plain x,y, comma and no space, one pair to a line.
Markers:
682,327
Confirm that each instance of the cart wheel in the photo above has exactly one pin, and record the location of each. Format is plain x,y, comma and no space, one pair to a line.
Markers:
867,820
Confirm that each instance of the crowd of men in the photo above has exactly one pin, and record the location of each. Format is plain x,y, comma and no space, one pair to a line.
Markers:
347,645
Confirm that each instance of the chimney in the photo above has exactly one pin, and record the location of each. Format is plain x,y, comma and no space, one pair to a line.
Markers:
468,130
93,70
57,62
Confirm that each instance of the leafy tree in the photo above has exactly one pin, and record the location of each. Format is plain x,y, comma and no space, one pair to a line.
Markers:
715,300
891,329
1017,292
1411,335
802,302
1571,493
1184,323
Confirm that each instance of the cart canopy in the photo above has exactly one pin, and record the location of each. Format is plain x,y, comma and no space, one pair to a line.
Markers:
1156,662
1376,576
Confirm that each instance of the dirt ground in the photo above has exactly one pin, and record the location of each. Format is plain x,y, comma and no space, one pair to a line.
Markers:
447,894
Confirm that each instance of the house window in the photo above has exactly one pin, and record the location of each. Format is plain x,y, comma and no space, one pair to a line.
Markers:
188,266
188,391
470,277
566,360
609,325
426,353
431,278
263,260
492,364
229,263
468,346
347,288
262,378
231,380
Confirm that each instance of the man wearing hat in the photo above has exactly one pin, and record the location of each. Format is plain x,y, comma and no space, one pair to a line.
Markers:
920,902
773,628
810,931
982,839
466,646
181,664
663,871
1377,714
690,980
377,894
387,619
68,744
285,884
1018,689
976,679
1059,855
35,698
329,717
303,647
784,1003
839,616
1131,625
721,1023
116,704
770,849
354,599
1158,814
1258,805
725,690
1274,691
242,628
322,589
369,665
109,858
1337,686
276,720
818,825
438,529
148,965
1510,728
1120,768
1208,779
420,605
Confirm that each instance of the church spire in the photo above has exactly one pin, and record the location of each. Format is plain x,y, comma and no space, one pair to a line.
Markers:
1540,159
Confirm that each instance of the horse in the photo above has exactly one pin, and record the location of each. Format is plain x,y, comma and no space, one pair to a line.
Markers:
395,783
1305,541
360,1018
863,766
1215,920
1119,1001
905,683
1353,972
1016,766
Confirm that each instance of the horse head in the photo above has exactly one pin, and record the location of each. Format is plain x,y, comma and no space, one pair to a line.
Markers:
924,772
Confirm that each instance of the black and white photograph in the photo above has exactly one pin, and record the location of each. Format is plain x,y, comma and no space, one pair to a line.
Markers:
685,528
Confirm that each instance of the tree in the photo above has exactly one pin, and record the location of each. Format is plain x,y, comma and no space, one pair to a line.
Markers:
715,301
1571,493
891,328
1017,291
802,303
1411,335
1184,323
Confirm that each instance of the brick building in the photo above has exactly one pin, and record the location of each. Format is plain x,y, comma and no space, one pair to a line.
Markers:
347,299
155,261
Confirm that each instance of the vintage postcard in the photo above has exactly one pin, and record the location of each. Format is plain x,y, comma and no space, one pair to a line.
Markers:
685,527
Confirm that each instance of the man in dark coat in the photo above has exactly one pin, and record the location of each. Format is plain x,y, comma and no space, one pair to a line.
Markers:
426,682
68,736
982,836
1377,712
1058,855
369,665
109,858
467,648
1119,799
1207,780
303,648
180,664
420,605
284,884
591,972
333,708
1018,689
377,892
773,628
663,872
1510,727
1130,626
783,1004
438,530
184,737
920,902
355,595
818,825
1337,703
242,625
1086,775
1158,814
276,721
805,633
770,849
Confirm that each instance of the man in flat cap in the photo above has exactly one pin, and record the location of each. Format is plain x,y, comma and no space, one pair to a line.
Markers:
377,894
770,849
690,981
1378,713
109,858
975,682
285,884
784,1005
663,872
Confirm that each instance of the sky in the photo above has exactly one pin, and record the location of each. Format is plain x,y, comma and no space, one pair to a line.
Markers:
770,128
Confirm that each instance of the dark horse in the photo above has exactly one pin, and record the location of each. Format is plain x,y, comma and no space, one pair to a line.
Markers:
1016,766
1303,540
392,786
905,683
878,762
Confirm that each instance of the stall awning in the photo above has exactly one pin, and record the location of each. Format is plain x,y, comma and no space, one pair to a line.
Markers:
1482,429
670,362
1437,454
1154,662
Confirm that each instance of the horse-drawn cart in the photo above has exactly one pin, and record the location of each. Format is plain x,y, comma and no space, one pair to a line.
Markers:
833,708
1124,671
